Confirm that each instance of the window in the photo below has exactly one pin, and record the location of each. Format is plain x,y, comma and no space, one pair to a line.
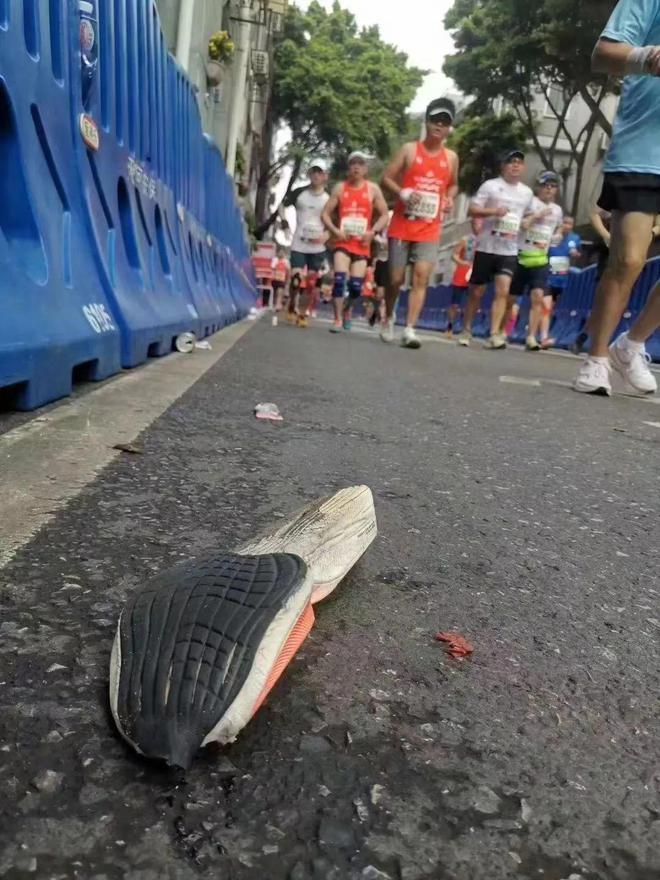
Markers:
557,98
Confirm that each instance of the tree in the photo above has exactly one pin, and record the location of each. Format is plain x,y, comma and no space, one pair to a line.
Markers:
479,141
516,50
336,87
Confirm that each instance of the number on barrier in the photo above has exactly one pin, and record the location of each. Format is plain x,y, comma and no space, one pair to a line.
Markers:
98,317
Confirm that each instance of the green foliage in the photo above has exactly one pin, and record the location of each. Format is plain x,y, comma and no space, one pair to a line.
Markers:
508,48
221,47
479,141
338,87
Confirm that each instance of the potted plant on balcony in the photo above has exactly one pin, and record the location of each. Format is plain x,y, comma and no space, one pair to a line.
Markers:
221,50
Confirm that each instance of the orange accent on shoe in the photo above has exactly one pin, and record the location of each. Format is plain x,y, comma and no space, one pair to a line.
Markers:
297,636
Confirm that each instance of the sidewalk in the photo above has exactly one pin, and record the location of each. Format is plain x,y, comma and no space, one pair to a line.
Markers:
510,509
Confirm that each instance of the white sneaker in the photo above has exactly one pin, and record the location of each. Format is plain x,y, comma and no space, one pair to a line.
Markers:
593,377
496,342
464,338
532,344
632,365
410,338
387,331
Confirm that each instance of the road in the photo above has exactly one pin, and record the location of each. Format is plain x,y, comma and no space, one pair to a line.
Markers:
510,510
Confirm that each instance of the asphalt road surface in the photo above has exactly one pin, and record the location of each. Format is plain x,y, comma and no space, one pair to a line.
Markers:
511,510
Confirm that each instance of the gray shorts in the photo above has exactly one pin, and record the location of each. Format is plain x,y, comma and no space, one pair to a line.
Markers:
404,252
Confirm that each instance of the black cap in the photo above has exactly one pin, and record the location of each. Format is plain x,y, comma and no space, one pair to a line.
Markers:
510,155
440,107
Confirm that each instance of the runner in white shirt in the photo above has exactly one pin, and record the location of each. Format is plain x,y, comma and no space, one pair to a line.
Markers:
538,230
502,202
308,249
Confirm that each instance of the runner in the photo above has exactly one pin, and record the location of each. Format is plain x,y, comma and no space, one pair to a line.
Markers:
354,204
381,275
533,268
281,276
424,177
308,248
463,258
503,202
566,248
631,191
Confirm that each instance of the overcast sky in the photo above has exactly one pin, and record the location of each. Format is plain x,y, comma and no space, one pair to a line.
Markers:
416,27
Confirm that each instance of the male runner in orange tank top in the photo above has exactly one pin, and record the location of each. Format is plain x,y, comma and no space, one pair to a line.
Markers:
424,177
361,213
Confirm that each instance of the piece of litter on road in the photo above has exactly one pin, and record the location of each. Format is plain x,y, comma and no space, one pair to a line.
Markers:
361,809
204,345
620,430
185,342
518,380
55,667
129,448
457,646
268,412
652,424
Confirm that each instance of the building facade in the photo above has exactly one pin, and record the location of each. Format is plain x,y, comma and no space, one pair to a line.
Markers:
233,98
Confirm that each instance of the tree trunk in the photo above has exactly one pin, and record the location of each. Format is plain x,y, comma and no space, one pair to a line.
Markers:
263,185
263,228
594,106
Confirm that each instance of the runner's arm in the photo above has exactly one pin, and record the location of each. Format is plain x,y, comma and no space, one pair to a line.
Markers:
622,58
394,171
597,222
381,209
329,212
457,254
452,191
477,207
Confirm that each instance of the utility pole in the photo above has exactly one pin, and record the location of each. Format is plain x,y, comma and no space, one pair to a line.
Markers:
184,32
243,8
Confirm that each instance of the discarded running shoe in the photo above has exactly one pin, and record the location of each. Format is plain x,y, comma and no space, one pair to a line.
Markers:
199,648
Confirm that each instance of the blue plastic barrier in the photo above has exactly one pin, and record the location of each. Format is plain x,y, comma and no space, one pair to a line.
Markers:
56,320
107,187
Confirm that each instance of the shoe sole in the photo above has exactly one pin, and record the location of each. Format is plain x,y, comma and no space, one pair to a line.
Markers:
413,344
336,329
628,386
320,544
601,391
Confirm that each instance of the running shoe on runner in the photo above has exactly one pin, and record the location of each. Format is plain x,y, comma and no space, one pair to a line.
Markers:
410,339
594,377
631,362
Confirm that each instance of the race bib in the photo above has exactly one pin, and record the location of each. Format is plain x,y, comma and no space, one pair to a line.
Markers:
426,206
354,227
507,227
538,238
312,231
559,265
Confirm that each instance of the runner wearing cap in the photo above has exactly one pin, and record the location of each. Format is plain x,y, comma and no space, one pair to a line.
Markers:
537,231
502,202
308,248
631,191
462,257
565,248
424,177
361,213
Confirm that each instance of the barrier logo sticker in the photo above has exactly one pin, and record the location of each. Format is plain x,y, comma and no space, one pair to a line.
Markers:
89,131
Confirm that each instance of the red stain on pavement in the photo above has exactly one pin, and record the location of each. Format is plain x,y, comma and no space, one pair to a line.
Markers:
457,646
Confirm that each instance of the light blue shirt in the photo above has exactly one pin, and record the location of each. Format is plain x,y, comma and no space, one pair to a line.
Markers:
635,142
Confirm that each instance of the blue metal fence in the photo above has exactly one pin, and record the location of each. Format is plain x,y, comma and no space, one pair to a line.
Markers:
570,315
